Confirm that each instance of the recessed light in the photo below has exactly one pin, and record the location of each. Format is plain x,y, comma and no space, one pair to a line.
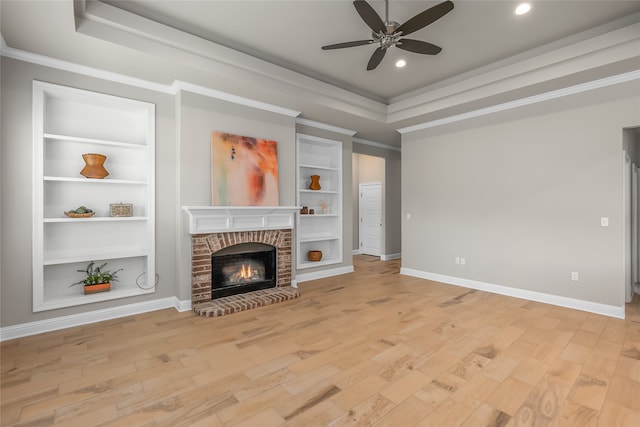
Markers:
401,63
522,8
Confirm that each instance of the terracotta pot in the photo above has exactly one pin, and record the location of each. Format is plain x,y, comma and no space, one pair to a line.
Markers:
94,167
315,182
100,287
314,255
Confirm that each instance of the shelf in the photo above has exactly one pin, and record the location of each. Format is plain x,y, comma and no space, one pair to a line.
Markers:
107,181
71,257
306,239
326,168
63,138
81,299
319,191
68,123
310,264
319,215
96,219
319,156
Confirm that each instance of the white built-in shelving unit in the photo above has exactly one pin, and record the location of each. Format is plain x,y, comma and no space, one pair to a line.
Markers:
69,122
322,230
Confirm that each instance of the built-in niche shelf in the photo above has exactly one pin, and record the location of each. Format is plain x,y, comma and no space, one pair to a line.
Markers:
321,230
68,123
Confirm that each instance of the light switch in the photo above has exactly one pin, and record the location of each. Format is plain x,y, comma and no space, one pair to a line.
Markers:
604,221
408,217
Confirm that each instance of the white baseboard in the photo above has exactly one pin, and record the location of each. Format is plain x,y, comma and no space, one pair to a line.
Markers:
182,305
591,307
390,256
323,273
63,322
356,252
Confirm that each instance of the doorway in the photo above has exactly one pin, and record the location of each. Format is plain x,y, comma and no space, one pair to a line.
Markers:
370,218
631,211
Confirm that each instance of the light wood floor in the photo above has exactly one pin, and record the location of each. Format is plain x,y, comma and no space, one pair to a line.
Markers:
370,348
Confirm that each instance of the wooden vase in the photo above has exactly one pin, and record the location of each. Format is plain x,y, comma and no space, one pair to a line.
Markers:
99,287
94,167
315,182
314,255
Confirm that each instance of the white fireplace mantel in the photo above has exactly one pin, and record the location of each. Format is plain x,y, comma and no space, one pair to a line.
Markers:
218,219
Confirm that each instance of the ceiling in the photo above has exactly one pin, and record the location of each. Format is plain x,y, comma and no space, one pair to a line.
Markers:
281,40
291,33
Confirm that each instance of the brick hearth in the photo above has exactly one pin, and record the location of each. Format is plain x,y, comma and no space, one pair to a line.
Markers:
204,245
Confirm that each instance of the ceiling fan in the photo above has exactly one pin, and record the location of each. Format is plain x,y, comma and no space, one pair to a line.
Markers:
389,33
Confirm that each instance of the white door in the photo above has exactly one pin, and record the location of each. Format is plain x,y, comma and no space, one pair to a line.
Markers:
370,208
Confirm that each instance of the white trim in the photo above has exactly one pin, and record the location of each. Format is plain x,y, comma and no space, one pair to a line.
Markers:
323,273
220,219
72,67
182,305
376,144
390,256
172,89
63,322
217,94
554,94
601,46
355,252
109,23
319,125
591,307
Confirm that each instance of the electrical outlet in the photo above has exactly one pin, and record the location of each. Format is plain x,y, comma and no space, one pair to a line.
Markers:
457,260
463,261
604,221
574,276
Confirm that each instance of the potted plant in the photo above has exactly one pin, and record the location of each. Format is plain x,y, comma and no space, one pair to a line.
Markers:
97,279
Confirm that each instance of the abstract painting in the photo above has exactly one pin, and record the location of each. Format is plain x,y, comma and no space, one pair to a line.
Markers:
244,170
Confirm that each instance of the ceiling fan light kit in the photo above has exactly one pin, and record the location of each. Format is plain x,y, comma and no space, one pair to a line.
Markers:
388,33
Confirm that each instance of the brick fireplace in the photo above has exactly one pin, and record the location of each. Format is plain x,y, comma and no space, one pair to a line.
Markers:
214,228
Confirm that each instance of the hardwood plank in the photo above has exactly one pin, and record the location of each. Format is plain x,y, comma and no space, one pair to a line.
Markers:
367,348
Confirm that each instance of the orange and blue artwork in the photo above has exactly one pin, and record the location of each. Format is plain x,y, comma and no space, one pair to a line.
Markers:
244,170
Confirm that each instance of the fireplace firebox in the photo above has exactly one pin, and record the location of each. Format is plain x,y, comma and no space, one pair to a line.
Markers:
242,268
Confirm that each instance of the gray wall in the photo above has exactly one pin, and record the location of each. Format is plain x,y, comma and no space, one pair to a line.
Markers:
520,195
197,117
392,238
16,174
183,177
347,208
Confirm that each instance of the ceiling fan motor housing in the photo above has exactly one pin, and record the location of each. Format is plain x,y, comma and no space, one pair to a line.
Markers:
388,39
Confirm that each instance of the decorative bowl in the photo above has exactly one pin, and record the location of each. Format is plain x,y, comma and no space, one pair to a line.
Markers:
77,215
314,255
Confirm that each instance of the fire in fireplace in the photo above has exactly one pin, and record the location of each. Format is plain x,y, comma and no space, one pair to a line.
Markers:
243,268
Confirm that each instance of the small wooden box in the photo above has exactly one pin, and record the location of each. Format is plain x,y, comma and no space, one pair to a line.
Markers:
121,209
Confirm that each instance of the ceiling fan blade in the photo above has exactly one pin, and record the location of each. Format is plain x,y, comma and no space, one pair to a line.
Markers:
418,46
347,44
369,16
425,18
376,58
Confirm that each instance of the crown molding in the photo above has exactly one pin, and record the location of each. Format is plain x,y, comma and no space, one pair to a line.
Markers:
172,89
553,61
376,144
319,125
106,22
571,90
